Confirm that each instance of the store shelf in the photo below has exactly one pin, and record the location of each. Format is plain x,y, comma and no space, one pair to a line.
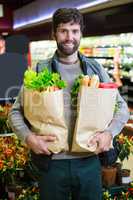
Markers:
127,89
7,100
116,190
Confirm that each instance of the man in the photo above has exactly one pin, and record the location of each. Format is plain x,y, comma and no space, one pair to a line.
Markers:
67,173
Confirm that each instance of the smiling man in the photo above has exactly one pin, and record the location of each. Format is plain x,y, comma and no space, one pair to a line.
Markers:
68,37
67,174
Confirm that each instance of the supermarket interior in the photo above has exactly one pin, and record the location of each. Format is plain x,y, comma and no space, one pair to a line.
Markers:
25,40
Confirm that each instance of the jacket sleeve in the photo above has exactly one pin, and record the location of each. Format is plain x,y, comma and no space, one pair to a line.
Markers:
121,116
16,118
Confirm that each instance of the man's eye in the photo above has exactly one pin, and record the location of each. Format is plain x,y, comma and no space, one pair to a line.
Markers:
62,31
75,31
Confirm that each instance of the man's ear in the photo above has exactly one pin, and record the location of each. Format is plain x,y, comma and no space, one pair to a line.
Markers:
81,35
53,35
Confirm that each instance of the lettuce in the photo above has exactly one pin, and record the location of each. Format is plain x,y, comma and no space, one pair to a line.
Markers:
42,80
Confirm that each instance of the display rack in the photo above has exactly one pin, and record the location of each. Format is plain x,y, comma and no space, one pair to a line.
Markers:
108,56
7,100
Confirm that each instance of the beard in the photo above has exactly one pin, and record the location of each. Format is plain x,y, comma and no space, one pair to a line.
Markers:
66,50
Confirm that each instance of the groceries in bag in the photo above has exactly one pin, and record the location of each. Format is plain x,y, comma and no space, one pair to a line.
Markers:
95,110
44,106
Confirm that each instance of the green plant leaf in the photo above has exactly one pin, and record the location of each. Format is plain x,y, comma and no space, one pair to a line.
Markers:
42,80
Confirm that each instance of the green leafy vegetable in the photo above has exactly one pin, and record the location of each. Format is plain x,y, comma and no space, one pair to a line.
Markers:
41,81
75,87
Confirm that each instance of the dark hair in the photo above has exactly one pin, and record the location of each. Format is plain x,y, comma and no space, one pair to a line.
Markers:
65,15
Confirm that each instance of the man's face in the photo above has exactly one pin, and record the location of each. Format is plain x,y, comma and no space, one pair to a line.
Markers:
68,37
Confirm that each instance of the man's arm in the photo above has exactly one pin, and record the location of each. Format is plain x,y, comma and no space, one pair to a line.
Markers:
121,115
16,118
120,118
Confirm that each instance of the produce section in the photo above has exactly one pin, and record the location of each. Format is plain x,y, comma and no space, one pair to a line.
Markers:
115,53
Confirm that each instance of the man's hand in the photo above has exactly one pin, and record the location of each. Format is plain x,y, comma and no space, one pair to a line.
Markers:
103,140
39,144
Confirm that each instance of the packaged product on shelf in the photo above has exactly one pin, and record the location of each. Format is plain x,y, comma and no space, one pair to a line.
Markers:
43,106
96,104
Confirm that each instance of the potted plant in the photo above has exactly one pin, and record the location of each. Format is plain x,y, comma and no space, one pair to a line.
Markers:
130,189
4,126
13,156
31,192
106,195
109,165
109,175
123,147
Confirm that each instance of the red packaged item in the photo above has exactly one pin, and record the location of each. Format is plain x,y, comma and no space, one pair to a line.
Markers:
108,85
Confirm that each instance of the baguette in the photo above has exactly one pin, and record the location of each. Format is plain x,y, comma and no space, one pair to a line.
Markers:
94,83
85,80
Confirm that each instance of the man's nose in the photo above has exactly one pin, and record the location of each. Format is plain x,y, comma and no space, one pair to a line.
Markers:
69,35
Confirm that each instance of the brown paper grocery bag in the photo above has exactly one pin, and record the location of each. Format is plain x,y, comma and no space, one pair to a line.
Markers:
95,112
45,112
